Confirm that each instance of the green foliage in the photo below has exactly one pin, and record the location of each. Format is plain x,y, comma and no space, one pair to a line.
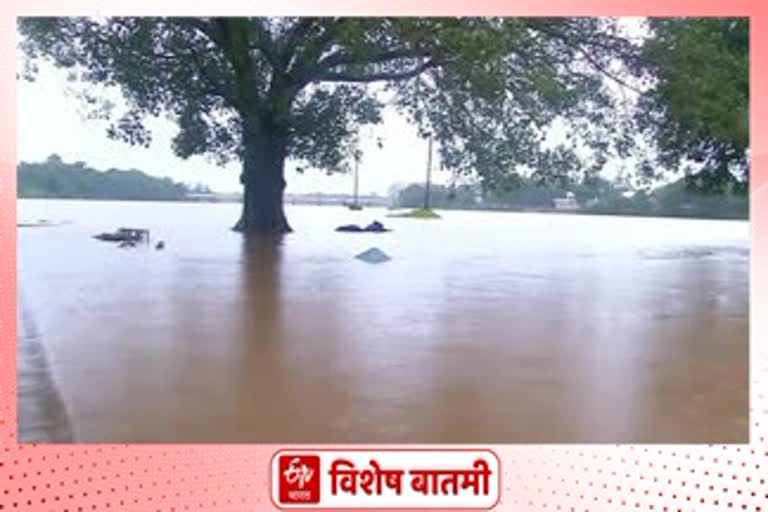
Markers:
440,196
417,213
487,87
492,103
679,199
57,179
698,108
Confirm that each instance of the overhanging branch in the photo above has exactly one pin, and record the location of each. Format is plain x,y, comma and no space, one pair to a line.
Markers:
263,42
602,69
298,32
580,46
340,58
342,76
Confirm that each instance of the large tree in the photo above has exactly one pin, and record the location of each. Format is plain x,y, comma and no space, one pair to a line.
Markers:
697,108
262,90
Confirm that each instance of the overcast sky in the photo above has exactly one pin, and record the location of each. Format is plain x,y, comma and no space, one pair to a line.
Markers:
49,121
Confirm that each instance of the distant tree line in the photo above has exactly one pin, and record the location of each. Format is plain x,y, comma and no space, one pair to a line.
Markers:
594,195
56,179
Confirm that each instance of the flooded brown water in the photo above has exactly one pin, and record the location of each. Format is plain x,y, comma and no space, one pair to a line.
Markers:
484,327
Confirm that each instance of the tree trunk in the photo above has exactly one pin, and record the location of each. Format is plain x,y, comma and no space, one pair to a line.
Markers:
264,183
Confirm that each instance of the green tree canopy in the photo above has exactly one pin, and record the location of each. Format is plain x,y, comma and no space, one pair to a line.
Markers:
261,90
697,110
56,179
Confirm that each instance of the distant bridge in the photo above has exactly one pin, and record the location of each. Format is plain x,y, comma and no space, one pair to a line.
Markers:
214,197
336,199
315,198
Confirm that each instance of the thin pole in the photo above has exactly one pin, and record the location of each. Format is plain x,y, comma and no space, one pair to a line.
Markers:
429,174
357,162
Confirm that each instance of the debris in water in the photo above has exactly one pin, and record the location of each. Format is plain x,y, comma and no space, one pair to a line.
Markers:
349,228
373,255
373,227
160,245
125,235
376,227
41,223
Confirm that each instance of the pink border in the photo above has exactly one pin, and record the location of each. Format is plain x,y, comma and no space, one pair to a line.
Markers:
178,477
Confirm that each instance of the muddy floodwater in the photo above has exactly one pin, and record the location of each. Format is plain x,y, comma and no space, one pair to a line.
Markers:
483,327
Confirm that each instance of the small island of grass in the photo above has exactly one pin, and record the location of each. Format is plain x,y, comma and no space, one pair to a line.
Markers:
418,213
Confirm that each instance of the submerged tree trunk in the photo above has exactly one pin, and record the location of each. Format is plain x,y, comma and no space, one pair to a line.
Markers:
263,183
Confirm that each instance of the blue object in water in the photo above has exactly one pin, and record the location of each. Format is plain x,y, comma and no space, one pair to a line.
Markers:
373,227
350,228
373,255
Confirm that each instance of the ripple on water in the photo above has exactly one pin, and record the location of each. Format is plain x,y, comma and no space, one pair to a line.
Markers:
694,253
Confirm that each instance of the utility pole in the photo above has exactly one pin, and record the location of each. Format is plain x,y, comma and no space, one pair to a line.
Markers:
357,167
429,173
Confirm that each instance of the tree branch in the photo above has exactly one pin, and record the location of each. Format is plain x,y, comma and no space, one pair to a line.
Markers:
342,76
201,26
608,73
305,61
207,30
579,45
264,43
215,87
340,59
292,38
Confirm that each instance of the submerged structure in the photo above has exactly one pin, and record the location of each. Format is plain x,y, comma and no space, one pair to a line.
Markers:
373,255
125,236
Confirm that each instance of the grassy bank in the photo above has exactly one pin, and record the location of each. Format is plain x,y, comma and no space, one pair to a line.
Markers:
418,213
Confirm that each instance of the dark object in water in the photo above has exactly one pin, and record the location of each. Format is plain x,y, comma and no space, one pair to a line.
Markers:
125,235
373,227
160,245
34,224
373,255
110,237
350,228
41,223
376,227
355,206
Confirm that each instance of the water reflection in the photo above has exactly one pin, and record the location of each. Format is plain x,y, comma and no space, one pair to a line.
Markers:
260,306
